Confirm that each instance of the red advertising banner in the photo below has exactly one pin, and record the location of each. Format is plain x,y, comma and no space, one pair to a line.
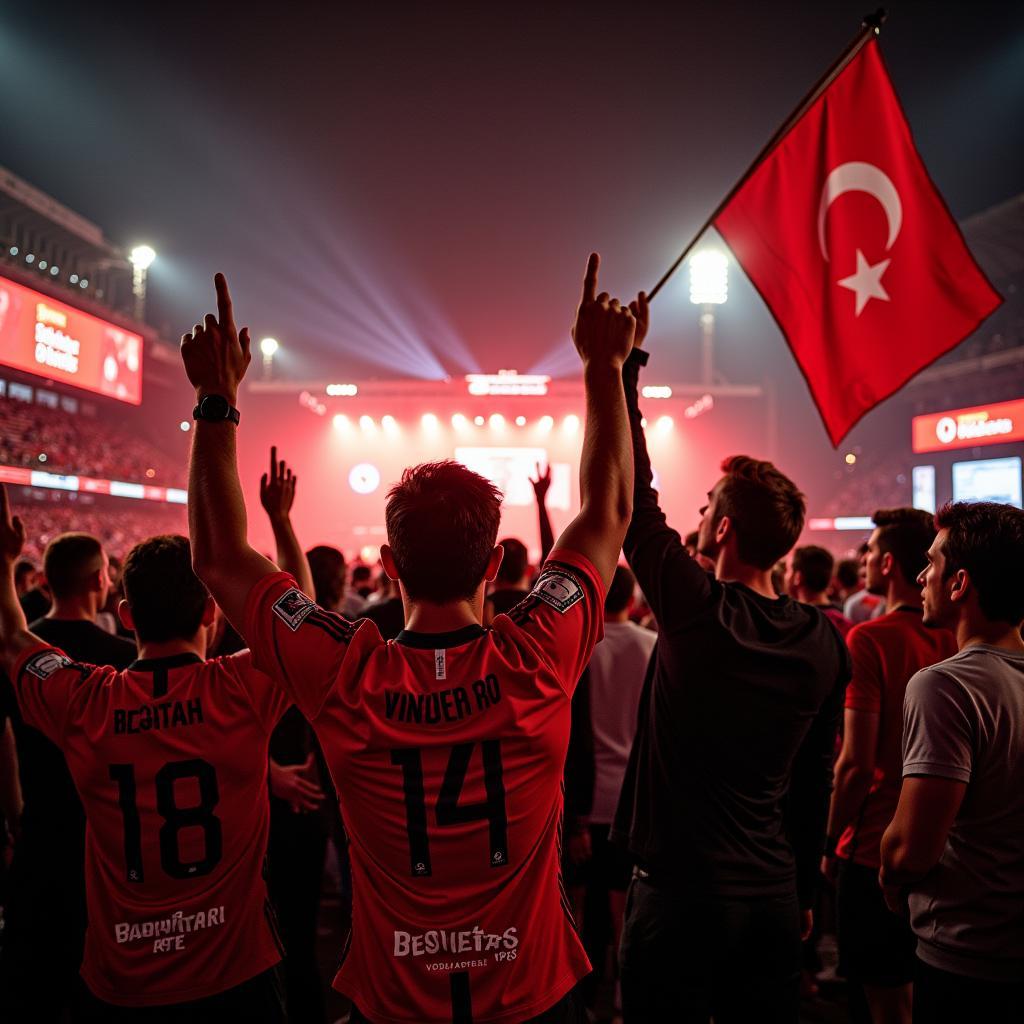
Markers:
51,339
967,428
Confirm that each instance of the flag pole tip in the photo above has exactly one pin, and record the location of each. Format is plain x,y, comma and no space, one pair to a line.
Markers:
876,20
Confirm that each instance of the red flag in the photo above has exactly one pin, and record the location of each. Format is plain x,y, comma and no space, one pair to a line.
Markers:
853,249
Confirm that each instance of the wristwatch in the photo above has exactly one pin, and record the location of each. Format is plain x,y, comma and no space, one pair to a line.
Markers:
214,408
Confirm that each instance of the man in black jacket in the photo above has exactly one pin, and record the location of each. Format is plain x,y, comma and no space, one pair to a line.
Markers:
725,798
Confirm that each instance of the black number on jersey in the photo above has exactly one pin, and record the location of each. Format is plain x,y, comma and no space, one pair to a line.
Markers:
175,818
448,811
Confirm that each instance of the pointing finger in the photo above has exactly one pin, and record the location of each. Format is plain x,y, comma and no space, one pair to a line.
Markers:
273,462
4,505
590,278
224,311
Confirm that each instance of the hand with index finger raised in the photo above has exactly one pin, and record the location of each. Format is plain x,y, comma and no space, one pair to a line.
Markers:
215,354
603,332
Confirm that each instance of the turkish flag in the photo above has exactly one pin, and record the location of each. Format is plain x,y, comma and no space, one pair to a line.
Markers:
853,249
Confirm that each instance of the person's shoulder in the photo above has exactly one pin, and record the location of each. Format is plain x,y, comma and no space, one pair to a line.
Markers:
943,675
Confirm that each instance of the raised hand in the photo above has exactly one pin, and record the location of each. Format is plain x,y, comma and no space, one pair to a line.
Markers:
642,315
215,354
542,484
12,530
277,488
604,329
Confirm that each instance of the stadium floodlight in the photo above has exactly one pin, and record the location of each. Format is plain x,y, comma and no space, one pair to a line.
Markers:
709,277
269,347
709,287
142,257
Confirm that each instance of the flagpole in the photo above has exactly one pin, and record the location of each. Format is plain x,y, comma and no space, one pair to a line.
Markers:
870,28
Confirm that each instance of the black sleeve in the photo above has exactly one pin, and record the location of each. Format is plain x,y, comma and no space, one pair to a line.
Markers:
810,788
579,758
674,585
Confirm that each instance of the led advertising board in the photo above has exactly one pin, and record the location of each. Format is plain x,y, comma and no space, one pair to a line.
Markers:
54,340
967,428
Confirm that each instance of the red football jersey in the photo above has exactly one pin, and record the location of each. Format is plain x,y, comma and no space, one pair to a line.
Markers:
447,753
886,652
170,760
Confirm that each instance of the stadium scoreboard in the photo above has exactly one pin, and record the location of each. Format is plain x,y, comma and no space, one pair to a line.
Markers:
51,339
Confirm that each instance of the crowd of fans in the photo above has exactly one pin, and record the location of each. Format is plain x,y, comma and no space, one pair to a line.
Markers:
766,753
35,436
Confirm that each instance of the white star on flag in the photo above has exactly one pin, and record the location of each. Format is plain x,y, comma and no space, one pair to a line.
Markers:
867,282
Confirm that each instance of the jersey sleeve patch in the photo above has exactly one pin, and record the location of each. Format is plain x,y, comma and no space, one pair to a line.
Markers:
293,608
558,589
45,663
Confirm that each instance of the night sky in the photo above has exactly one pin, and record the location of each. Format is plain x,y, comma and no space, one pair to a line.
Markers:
413,190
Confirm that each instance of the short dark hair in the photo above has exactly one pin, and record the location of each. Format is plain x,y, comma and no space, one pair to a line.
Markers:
765,507
987,540
815,565
620,593
442,522
166,597
848,572
68,561
327,567
906,534
514,562
21,569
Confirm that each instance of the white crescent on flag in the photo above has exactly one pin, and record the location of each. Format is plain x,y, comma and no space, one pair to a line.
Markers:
857,176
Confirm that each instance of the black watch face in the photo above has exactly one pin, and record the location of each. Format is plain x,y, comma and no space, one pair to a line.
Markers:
214,407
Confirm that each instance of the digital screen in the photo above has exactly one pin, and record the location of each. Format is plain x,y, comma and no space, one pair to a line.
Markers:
511,470
988,480
51,339
924,488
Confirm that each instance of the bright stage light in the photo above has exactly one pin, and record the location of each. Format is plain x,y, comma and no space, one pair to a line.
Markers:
571,423
709,277
497,421
851,459
142,256
664,424
366,424
390,425
546,423
345,390
520,421
268,346
479,420
430,422
459,421
656,391
340,421
185,426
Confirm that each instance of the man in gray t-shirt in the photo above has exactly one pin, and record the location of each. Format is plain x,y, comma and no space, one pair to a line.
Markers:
956,843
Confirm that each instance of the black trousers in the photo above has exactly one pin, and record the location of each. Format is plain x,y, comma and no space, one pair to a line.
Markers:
568,1010
944,998
295,866
686,957
260,1000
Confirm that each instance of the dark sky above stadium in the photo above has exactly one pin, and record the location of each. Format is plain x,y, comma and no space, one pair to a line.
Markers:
412,190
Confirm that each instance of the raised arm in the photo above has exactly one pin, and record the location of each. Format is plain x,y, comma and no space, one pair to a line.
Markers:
216,356
540,489
603,335
670,579
14,634
277,495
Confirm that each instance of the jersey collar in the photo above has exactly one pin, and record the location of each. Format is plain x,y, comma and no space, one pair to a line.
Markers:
435,641
171,661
